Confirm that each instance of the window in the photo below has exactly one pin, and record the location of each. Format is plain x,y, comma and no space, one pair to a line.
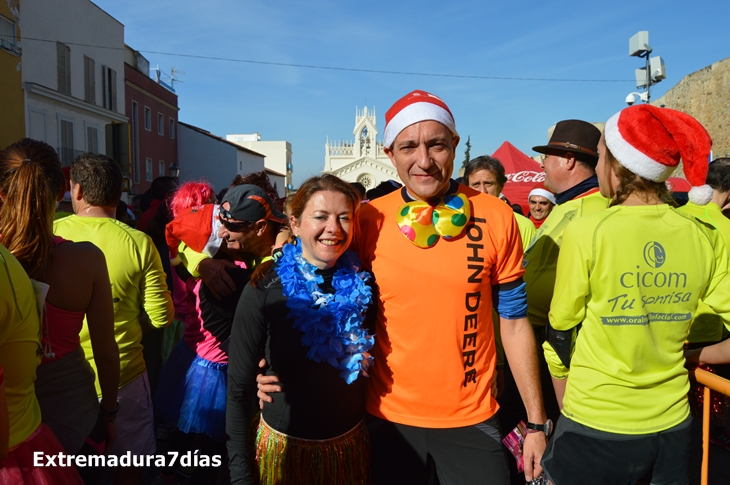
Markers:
66,141
109,81
63,67
134,128
92,139
37,124
89,80
147,119
172,129
160,124
8,37
148,169
162,169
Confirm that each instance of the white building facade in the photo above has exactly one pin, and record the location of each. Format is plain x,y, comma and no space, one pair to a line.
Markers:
278,157
205,156
74,82
363,159
278,180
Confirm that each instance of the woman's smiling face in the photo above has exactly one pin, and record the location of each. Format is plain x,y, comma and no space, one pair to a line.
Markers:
325,228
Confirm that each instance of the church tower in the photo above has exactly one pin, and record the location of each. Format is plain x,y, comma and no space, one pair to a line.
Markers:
362,159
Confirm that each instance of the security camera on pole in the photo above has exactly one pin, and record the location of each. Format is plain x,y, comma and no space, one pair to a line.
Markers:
654,71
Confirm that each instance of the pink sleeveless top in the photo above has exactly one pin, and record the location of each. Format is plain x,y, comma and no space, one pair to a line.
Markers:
61,333
195,334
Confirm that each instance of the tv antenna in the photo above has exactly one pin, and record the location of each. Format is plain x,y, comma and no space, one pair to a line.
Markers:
175,75
168,79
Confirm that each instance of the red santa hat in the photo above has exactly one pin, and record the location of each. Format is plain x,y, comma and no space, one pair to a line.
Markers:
412,108
650,142
542,192
198,228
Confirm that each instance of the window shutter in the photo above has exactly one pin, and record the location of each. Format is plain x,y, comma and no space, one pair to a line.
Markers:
113,90
70,134
104,87
89,80
92,137
66,142
61,66
92,69
67,134
86,79
67,68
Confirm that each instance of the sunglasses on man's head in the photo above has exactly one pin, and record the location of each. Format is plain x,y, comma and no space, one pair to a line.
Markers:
234,226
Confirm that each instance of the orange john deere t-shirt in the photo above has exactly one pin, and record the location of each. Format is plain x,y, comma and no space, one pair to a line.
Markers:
434,340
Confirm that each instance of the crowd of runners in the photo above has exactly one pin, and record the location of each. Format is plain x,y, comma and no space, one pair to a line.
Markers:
390,336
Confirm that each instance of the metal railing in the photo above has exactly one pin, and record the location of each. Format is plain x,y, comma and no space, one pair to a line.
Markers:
715,383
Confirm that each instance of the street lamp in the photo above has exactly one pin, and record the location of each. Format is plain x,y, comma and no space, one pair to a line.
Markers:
654,71
174,170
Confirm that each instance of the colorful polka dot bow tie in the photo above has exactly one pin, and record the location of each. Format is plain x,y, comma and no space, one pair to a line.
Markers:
423,223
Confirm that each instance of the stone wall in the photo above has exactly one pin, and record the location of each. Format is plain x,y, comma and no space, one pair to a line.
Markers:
705,94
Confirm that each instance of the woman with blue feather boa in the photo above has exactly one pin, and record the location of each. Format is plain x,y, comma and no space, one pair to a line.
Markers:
305,312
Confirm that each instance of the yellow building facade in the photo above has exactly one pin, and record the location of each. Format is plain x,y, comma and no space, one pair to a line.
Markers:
12,111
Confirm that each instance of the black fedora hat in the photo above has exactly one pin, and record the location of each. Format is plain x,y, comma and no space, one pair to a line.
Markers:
575,136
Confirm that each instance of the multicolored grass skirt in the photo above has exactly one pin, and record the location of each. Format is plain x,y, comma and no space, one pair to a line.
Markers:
288,460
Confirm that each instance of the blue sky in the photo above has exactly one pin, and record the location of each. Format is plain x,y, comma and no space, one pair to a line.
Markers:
548,40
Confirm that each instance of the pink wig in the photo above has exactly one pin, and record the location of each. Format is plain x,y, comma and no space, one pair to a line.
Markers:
191,194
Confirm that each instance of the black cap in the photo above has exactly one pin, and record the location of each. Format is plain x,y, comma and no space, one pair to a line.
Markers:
250,203
575,136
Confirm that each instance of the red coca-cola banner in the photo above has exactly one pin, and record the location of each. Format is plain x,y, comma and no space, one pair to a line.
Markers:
523,173
526,176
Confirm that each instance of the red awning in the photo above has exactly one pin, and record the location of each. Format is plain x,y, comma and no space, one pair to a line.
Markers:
523,173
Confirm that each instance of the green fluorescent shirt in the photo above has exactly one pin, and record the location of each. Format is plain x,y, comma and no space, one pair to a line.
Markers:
541,257
137,279
526,228
191,259
633,277
20,347
707,325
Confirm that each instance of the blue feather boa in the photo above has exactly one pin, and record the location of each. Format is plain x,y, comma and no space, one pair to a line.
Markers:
331,323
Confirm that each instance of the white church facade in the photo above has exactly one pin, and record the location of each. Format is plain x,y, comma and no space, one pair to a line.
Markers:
362,159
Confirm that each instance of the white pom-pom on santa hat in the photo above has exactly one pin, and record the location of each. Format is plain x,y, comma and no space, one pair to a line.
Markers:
650,142
415,107
700,195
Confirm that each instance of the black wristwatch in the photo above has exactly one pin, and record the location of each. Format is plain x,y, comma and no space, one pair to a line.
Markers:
546,428
109,414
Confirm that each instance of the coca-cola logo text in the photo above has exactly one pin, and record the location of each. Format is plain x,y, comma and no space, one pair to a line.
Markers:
526,176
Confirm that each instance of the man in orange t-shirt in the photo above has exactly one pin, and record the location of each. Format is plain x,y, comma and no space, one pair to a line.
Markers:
440,266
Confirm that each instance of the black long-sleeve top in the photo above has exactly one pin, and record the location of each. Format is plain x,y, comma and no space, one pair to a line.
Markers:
315,402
